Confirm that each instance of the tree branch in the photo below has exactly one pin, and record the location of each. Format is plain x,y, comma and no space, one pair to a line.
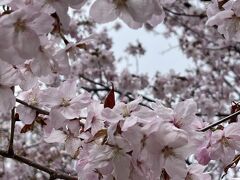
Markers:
183,14
53,173
128,94
10,146
220,121
39,110
231,86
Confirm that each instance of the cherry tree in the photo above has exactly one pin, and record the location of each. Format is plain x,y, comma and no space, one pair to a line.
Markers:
67,113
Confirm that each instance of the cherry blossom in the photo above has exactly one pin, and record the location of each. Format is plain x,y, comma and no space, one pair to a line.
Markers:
19,26
195,172
56,65
224,143
225,16
94,120
133,13
68,104
9,77
26,114
169,151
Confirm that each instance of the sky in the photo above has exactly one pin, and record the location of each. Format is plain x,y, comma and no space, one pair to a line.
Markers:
161,54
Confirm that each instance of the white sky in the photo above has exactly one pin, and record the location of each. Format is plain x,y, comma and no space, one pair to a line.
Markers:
159,54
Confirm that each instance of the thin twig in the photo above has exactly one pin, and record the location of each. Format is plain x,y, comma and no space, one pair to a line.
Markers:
128,94
220,121
217,114
39,110
184,14
231,86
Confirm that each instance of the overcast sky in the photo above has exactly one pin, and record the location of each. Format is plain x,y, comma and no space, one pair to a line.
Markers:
161,54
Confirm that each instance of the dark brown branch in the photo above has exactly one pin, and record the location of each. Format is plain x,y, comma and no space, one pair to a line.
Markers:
93,89
220,121
128,94
217,114
231,86
183,14
53,173
39,110
10,146
58,28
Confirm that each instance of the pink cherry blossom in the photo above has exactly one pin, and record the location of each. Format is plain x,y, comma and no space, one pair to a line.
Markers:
133,13
182,116
94,120
19,26
167,148
9,77
26,114
225,142
196,172
65,100
52,53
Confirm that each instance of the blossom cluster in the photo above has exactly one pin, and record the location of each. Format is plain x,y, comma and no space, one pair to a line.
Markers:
128,140
31,33
109,140
225,15
133,13
122,141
